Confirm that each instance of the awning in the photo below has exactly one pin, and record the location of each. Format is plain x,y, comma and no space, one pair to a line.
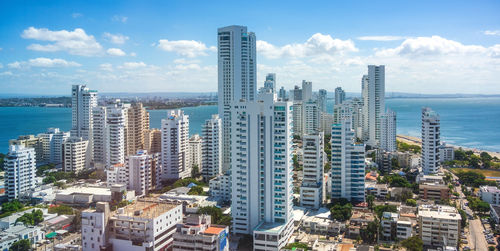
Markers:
61,232
51,235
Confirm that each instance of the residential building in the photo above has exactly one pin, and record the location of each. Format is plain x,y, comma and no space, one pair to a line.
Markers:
433,179
490,194
298,118
117,133
20,166
95,227
142,172
388,131
311,190
137,125
220,188
339,96
75,157
86,195
83,100
348,163
373,93
395,227
270,83
434,191
174,146
322,98
495,215
197,233
359,221
30,141
446,152
439,225
306,91
296,94
327,120
384,161
262,171
282,94
211,149
100,136
152,140
311,118
430,141
237,76
53,140
195,151
378,190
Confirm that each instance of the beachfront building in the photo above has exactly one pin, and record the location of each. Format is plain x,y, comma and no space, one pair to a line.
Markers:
430,141
339,96
20,166
211,148
152,140
347,174
311,190
175,146
75,157
237,76
446,152
262,171
198,233
373,93
31,141
388,131
52,141
83,100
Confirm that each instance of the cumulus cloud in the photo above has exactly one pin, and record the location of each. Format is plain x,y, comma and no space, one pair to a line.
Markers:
75,42
6,73
133,54
186,48
381,38
115,52
106,67
43,62
318,44
133,65
492,33
14,65
431,46
118,18
115,38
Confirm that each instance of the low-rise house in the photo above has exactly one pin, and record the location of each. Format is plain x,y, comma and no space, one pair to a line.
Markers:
197,233
86,195
359,220
434,191
377,190
490,194
395,227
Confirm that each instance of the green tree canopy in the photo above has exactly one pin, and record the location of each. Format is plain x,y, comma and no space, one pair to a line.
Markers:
21,245
413,243
380,209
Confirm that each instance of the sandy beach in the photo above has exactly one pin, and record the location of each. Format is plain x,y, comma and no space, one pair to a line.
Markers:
417,141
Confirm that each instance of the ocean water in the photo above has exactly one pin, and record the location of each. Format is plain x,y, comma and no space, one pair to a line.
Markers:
469,122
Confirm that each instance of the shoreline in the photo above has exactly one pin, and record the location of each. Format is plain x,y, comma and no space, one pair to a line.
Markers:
417,141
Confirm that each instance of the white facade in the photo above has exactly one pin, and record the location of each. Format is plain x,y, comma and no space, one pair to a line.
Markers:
339,96
262,169
348,163
220,187
116,133
20,166
430,141
83,100
175,145
388,131
327,120
237,76
52,145
306,90
490,194
298,118
211,149
94,224
75,156
310,117
395,227
197,233
446,153
195,151
373,93
311,190
142,171
270,83
100,135
439,225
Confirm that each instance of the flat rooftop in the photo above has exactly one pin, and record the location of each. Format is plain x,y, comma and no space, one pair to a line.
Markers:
149,209
270,227
86,190
214,230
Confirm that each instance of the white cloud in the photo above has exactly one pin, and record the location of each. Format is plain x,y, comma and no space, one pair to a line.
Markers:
14,65
75,42
492,33
77,15
6,73
317,45
106,67
432,46
186,48
133,65
133,54
381,38
115,38
118,18
43,62
115,52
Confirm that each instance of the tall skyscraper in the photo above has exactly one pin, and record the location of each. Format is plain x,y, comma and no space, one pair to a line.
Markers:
270,83
52,140
30,141
138,124
174,146
373,92
237,62
211,149
322,96
117,131
306,90
82,101
262,170
282,94
430,141
339,96
311,190
142,170
100,136
310,117
75,154
20,166
152,140
298,118
348,163
195,151
296,94
388,131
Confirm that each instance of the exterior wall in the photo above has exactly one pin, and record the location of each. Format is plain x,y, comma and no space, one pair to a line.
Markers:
75,154
211,149
174,145
94,232
195,151
388,131
434,192
311,118
339,96
137,125
373,93
439,224
20,165
220,187
430,141
311,190
490,194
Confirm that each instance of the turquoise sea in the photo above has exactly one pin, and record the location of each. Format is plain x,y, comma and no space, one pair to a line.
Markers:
470,122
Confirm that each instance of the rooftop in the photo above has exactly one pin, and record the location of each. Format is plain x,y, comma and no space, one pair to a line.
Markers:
489,189
214,230
86,190
439,211
144,208
270,227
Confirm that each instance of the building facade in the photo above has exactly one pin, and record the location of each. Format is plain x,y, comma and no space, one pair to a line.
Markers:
175,145
83,100
20,166
388,131
373,93
75,157
312,191
137,126
430,141
439,225
211,149
195,151
197,233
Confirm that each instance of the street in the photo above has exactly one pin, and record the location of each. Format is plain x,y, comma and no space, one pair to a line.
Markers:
477,236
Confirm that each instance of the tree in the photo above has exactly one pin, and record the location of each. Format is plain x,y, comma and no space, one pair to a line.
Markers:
21,245
196,190
62,209
413,243
395,164
327,167
31,219
12,206
370,198
341,212
297,245
49,180
369,234
411,202
214,212
464,217
195,171
380,209
296,165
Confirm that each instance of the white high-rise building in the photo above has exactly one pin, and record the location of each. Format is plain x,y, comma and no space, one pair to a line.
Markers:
100,135
237,62
116,133
327,120
311,190
82,101
142,171
298,118
310,117
195,151
322,97
339,96
388,131
20,166
211,150
175,145
306,91
430,141
348,163
262,171
373,93
75,157
53,139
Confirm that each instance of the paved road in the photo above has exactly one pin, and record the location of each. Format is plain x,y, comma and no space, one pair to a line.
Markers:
69,238
477,235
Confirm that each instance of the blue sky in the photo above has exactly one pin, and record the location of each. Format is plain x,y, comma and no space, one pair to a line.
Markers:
148,46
